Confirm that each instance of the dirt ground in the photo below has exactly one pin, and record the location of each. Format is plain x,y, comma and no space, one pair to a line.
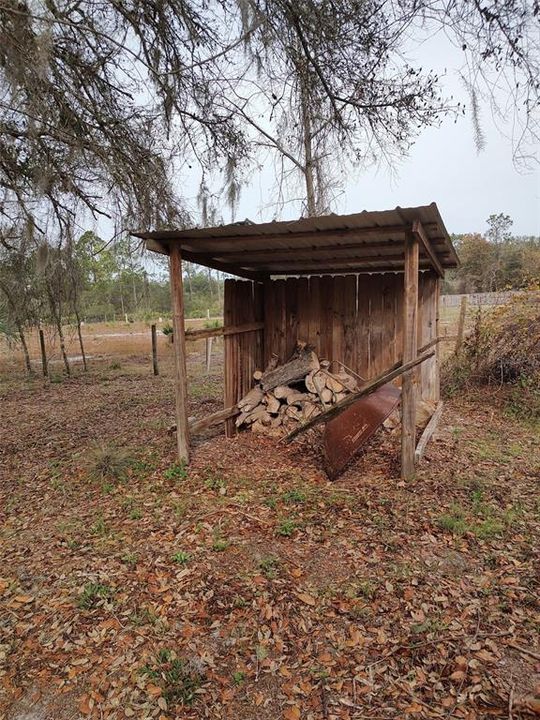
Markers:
247,585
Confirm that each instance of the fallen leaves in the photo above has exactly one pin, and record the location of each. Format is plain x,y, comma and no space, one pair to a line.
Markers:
371,605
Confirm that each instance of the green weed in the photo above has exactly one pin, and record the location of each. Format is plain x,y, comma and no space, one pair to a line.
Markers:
269,566
177,471
179,679
238,677
292,497
92,594
220,544
181,557
286,528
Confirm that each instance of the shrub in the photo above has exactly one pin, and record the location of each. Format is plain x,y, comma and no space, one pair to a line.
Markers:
503,348
106,462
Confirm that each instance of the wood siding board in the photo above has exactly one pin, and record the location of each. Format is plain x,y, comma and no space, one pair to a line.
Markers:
229,369
349,322
291,315
326,316
314,332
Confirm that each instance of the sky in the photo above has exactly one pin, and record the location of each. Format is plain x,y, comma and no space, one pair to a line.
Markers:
443,166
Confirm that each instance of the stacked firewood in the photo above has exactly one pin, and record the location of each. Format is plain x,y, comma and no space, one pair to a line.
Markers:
292,393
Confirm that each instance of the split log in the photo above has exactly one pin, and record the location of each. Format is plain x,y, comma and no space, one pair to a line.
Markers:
251,400
272,404
282,392
326,396
303,362
333,384
310,385
370,387
296,397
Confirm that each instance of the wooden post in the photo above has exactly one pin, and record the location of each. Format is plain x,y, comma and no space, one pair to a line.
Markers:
461,325
208,346
177,300
410,339
43,353
154,351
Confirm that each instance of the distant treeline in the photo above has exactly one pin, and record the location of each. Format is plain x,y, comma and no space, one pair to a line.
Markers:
494,261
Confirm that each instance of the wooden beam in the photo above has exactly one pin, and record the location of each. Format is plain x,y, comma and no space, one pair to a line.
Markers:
180,388
410,335
428,431
208,260
336,260
309,251
222,330
321,269
418,230
197,426
386,377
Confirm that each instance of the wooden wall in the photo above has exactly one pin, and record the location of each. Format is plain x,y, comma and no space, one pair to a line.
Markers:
356,319
243,353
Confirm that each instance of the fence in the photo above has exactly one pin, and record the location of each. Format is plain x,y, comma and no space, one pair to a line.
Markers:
491,298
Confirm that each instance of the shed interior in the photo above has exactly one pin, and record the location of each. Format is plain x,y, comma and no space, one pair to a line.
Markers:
363,289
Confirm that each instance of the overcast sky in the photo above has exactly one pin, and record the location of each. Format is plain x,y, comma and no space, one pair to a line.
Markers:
443,166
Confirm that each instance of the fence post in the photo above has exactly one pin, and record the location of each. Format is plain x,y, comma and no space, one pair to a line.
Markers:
461,325
208,347
154,351
43,353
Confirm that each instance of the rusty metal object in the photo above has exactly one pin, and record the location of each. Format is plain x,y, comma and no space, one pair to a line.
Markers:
345,434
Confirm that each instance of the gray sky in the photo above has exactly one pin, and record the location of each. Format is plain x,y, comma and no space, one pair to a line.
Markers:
443,166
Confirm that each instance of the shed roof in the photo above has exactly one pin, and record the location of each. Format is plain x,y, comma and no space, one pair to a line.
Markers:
371,241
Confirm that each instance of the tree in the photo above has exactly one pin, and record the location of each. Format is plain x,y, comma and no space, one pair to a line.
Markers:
329,85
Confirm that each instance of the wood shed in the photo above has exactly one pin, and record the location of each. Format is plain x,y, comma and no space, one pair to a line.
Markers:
362,289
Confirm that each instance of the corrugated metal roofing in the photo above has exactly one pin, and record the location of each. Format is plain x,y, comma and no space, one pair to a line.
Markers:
370,241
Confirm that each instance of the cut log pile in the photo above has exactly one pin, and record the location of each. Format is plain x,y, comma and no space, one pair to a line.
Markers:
292,393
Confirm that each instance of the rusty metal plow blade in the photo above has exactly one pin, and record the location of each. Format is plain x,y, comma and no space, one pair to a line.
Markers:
345,434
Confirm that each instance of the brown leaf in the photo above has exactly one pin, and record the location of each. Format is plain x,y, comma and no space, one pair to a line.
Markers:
291,713
306,598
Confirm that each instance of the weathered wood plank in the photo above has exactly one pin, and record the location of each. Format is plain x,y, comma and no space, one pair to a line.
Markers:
410,344
197,426
222,330
428,432
229,353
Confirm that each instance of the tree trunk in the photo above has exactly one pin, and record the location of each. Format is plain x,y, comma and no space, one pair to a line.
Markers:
24,348
308,150
57,315
63,345
81,344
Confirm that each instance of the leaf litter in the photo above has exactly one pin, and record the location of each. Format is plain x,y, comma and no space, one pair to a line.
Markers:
250,586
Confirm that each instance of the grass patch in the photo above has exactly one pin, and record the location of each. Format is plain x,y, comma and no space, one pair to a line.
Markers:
269,566
179,679
286,527
107,463
181,557
294,497
177,471
92,594
220,545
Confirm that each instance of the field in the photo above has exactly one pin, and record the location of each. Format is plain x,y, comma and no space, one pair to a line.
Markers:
247,585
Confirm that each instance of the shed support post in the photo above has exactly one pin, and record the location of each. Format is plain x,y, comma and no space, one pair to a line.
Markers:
177,301
410,340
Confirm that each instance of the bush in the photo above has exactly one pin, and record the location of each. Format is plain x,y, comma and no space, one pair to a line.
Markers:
503,348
